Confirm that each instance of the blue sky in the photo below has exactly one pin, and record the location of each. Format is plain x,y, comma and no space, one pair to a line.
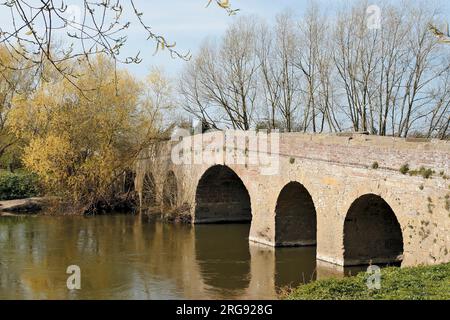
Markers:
188,22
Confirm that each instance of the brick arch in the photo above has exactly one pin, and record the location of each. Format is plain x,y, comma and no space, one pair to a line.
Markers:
221,196
295,216
371,232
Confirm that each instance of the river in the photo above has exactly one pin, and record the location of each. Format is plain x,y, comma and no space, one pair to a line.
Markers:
129,257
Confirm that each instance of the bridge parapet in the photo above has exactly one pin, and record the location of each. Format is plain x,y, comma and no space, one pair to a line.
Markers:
357,149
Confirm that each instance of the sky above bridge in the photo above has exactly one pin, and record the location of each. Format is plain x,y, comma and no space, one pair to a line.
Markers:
189,22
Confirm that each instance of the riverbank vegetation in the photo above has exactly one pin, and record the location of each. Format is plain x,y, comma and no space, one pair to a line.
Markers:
80,142
414,283
18,185
69,114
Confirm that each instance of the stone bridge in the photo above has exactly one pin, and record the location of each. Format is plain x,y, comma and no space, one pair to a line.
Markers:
351,195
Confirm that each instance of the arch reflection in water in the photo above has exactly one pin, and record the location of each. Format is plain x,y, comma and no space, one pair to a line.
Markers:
126,257
229,264
295,266
222,252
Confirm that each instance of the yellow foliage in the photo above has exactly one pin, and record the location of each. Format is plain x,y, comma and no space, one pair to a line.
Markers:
80,142
15,76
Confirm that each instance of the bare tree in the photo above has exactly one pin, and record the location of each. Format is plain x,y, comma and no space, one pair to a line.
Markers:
392,67
424,67
314,60
270,86
438,117
224,78
355,61
286,40
280,80
328,73
193,97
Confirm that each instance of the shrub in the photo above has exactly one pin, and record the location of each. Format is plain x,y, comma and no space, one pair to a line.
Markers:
404,168
424,172
18,185
375,165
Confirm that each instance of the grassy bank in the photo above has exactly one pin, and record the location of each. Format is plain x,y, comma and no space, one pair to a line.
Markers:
18,185
430,282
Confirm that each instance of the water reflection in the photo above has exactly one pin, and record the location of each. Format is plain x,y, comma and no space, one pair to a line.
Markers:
295,266
126,257
328,270
223,254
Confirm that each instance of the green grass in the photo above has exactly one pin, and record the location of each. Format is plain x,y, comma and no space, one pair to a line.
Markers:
18,185
415,283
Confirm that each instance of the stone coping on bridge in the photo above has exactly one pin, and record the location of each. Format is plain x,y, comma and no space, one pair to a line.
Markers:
352,149
352,139
357,139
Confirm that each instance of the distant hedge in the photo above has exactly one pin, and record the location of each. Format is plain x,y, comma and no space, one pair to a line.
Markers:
18,185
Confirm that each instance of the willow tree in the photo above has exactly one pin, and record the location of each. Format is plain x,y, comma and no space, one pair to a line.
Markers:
14,79
80,143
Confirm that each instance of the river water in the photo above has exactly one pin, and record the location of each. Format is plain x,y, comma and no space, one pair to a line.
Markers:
128,257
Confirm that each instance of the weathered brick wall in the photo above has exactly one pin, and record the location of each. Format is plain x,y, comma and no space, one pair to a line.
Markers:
364,150
336,171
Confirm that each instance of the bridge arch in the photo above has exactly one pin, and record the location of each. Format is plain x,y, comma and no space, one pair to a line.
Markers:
221,196
372,233
295,216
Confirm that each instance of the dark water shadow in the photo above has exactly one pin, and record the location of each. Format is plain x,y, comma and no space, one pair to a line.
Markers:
222,252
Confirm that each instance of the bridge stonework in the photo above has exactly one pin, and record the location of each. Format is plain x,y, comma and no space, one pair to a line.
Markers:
327,192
